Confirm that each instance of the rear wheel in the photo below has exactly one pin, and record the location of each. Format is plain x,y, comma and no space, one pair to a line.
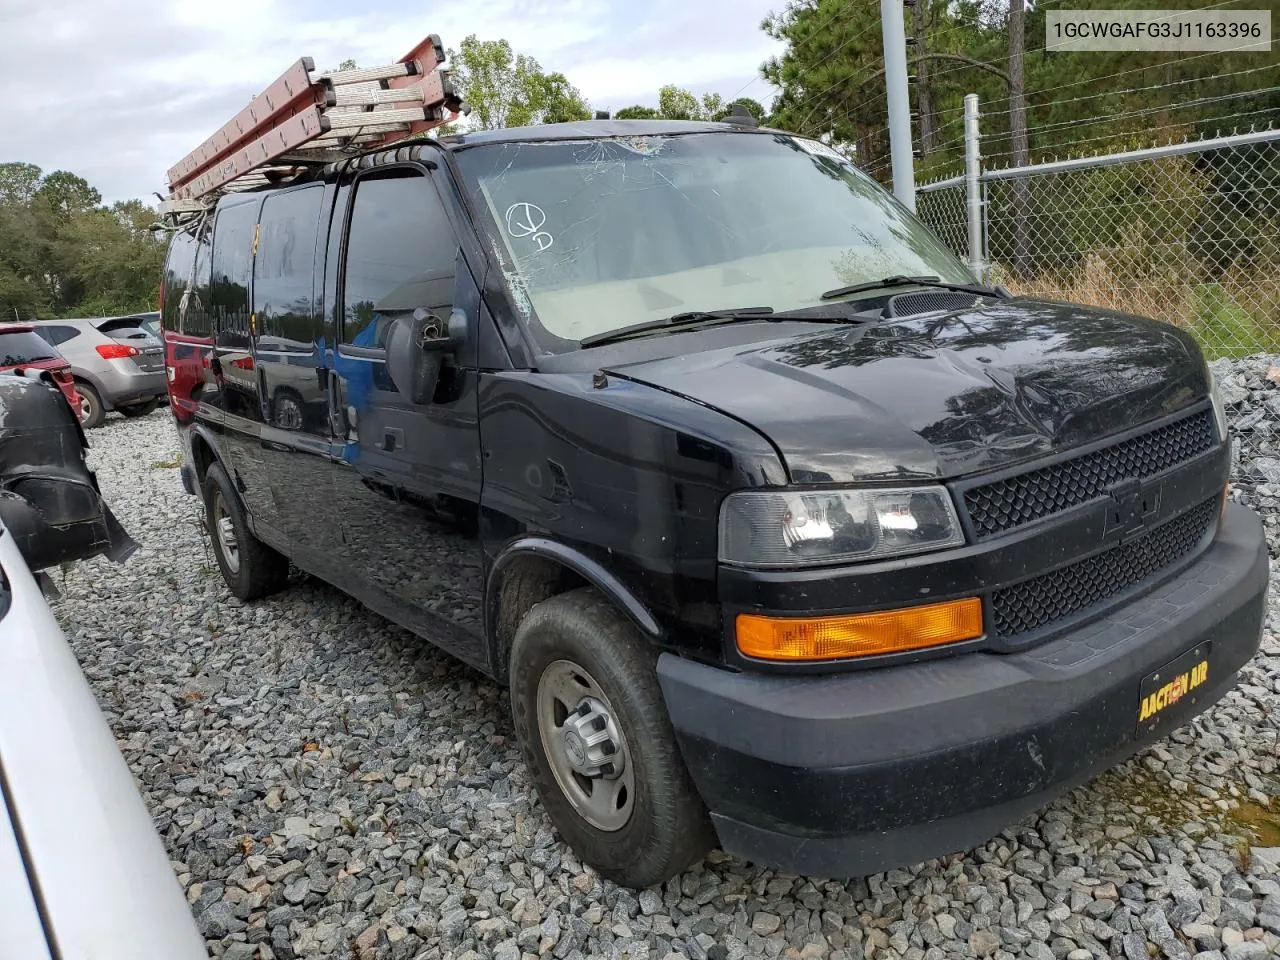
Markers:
139,409
250,568
91,409
595,732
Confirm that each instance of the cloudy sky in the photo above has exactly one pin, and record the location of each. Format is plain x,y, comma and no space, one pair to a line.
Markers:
118,91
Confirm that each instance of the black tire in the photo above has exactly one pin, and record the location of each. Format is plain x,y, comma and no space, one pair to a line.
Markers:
139,409
250,568
92,412
667,829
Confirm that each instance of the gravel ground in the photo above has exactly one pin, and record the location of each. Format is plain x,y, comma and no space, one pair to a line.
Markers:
329,786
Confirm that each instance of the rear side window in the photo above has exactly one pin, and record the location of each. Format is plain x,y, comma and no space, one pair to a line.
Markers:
24,346
284,270
185,253
232,260
401,252
122,328
57,333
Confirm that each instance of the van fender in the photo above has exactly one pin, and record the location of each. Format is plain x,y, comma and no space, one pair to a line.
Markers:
613,589
210,440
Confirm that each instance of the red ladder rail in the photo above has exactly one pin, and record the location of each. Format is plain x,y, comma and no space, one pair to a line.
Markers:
302,119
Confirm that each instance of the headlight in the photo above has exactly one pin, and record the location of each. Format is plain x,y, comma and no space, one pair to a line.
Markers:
1219,408
782,528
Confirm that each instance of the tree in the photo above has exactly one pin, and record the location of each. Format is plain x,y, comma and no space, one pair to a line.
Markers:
506,89
66,194
18,182
675,103
1018,138
637,112
561,102
1034,106
62,253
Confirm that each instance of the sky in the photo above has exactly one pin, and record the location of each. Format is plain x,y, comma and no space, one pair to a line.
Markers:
118,91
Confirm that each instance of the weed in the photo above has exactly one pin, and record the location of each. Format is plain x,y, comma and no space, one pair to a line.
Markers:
1225,328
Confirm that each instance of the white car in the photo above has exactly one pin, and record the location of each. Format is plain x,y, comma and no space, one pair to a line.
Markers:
83,873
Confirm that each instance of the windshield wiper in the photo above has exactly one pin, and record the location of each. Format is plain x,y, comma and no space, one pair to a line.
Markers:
679,320
900,281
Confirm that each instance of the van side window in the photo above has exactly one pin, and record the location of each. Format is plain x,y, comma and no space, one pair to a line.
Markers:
284,271
400,255
232,259
177,274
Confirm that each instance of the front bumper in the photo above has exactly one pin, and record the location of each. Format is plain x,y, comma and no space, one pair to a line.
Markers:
860,772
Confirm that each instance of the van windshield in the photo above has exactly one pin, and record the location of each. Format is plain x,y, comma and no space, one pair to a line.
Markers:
595,235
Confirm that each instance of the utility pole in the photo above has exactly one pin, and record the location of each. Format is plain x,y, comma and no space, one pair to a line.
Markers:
894,33
973,186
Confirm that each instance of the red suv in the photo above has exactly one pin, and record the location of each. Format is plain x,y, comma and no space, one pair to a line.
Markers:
22,349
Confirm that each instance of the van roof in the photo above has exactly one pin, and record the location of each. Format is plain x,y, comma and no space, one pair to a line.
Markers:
591,129
541,133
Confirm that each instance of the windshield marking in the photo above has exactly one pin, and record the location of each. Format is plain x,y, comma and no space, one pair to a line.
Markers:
526,219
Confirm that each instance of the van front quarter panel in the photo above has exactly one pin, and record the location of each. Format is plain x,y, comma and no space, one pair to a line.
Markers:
627,476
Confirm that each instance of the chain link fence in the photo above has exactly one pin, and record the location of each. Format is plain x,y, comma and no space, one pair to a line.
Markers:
1188,233
943,210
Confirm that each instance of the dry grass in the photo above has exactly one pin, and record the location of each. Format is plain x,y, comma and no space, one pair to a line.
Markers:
1236,316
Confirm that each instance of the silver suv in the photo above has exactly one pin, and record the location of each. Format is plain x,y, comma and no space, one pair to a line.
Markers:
117,364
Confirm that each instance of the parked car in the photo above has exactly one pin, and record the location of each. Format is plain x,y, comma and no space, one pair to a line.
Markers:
117,365
784,531
150,322
71,818
21,349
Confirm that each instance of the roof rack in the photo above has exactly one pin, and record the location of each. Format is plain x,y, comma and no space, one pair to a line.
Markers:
304,120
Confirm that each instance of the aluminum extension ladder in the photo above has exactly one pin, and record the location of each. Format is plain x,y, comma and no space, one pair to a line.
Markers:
304,119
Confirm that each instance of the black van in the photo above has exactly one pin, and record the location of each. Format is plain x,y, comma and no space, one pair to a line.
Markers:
784,533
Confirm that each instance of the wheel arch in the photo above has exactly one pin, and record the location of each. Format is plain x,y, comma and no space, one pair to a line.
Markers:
531,570
84,375
204,454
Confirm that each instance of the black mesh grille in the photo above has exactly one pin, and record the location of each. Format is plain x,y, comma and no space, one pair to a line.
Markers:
1018,500
911,304
1044,599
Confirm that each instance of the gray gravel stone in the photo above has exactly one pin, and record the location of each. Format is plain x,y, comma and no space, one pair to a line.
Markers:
765,923
1248,950
316,774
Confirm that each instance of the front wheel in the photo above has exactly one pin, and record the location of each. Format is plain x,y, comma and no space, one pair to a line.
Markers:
595,733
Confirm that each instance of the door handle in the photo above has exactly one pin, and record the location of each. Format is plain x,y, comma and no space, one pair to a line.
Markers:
337,416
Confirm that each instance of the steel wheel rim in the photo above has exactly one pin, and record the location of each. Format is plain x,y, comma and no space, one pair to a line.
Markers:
584,745
288,414
224,531
86,408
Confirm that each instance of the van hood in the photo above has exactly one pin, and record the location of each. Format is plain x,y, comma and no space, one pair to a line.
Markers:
942,395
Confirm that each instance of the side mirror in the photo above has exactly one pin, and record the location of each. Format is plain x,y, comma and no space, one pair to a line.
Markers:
416,347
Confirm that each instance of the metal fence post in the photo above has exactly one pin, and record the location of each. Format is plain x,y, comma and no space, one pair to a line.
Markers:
894,35
972,186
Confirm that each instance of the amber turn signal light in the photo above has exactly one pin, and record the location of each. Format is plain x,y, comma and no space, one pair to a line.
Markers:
859,634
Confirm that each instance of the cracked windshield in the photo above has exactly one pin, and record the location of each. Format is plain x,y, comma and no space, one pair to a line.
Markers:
598,235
